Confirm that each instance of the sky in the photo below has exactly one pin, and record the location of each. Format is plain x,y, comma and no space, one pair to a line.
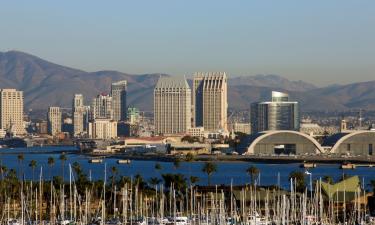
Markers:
322,42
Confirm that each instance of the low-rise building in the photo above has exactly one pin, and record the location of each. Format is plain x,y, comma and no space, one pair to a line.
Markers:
183,148
196,131
103,129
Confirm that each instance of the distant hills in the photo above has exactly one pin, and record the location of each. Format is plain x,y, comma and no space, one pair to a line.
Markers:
45,83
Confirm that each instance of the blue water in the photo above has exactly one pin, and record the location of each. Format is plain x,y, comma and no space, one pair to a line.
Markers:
227,172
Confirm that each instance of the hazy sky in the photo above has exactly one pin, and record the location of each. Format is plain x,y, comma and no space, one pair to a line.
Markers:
320,41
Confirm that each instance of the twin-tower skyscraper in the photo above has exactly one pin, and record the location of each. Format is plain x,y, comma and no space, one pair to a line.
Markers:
178,108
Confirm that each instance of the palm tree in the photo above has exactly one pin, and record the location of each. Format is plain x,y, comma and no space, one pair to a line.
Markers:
114,172
194,180
328,179
158,167
299,178
33,164
20,158
209,168
372,183
252,171
63,158
189,157
3,169
176,164
51,163
154,181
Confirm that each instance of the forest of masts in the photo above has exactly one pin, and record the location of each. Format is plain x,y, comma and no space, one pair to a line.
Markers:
124,200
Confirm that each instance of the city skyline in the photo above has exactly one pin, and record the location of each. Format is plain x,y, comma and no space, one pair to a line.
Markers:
287,38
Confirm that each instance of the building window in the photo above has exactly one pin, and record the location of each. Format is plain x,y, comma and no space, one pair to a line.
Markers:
348,147
370,149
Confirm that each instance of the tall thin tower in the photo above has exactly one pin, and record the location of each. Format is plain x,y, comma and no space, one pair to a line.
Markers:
118,93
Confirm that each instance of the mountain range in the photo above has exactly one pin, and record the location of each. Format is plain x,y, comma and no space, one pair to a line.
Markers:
48,84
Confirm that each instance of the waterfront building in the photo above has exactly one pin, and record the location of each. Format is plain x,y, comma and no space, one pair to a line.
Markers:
277,114
101,107
11,111
172,105
210,101
54,120
103,129
118,94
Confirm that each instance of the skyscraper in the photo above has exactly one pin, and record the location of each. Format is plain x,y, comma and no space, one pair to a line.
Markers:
118,93
210,101
79,115
11,111
101,107
54,120
77,101
172,105
278,114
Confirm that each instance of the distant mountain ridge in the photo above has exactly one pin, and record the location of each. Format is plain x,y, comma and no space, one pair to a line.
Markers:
46,84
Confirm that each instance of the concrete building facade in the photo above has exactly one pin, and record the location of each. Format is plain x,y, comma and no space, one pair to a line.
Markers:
103,129
172,105
210,101
79,115
101,107
11,111
54,120
118,93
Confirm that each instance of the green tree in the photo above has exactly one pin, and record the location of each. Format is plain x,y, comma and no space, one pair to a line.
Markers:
209,168
177,163
33,164
154,181
193,180
252,171
189,157
178,181
299,178
20,159
328,179
3,169
114,172
63,158
372,183
158,166
51,163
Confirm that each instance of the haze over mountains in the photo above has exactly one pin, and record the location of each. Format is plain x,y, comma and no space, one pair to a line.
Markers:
48,84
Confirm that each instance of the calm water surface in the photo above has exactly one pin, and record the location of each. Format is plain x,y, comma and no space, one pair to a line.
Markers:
227,172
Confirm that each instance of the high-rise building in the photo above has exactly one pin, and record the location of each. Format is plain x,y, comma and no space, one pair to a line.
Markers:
77,101
103,129
54,120
210,101
118,93
172,105
77,109
80,115
278,114
11,111
101,107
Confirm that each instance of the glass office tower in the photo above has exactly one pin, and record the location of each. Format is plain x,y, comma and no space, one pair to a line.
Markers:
278,114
